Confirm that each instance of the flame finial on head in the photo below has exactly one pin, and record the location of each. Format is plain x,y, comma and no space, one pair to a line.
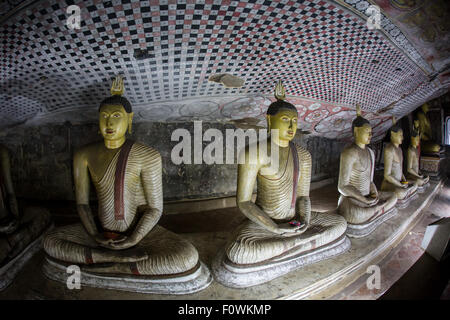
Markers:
117,87
280,92
358,110
394,121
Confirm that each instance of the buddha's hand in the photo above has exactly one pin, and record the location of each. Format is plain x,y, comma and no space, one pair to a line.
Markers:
107,242
287,229
121,244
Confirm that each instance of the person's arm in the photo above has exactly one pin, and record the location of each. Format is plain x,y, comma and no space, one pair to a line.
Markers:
388,160
347,161
81,178
6,174
409,164
247,173
303,203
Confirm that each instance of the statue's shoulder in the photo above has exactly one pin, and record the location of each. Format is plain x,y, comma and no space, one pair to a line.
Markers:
88,148
389,147
350,150
145,151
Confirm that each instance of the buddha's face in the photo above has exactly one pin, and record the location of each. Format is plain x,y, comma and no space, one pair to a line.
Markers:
425,107
397,137
415,141
113,121
286,123
363,134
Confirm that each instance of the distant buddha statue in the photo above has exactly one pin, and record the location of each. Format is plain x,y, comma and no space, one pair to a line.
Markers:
394,179
360,203
126,242
427,144
412,163
281,228
20,230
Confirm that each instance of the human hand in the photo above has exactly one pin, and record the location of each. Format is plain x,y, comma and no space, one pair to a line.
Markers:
290,229
108,242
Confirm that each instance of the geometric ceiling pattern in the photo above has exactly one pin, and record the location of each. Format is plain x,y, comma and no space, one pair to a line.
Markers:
328,59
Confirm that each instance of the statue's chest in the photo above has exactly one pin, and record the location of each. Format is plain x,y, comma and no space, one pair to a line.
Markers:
282,170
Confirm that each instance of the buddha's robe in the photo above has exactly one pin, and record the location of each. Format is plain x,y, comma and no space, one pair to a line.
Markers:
413,160
277,198
395,156
357,171
122,199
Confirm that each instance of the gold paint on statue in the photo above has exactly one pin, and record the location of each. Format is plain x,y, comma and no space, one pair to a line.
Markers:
427,145
394,179
282,196
360,202
127,177
412,162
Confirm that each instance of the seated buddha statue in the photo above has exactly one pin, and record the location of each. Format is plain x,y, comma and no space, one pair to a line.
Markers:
393,178
427,144
412,163
281,228
360,203
125,242
20,230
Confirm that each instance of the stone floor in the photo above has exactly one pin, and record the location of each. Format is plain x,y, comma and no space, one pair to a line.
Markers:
210,230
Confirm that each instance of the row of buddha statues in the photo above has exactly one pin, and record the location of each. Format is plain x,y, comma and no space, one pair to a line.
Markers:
123,247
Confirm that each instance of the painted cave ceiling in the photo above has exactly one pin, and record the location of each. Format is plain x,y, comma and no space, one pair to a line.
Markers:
323,51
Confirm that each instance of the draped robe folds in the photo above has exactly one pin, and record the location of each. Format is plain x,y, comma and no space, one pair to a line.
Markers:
252,243
353,210
118,214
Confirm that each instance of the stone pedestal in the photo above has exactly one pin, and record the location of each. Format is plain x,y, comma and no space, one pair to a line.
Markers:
191,282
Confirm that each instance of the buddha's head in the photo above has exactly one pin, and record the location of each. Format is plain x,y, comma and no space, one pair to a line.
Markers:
415,138
115,117
425,108
282,115
396,132
396,135
361,128
115,113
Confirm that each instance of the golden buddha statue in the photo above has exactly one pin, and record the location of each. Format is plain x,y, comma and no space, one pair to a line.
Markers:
360,203
126,242
412,163
394,180
281,228
20,230
427,144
